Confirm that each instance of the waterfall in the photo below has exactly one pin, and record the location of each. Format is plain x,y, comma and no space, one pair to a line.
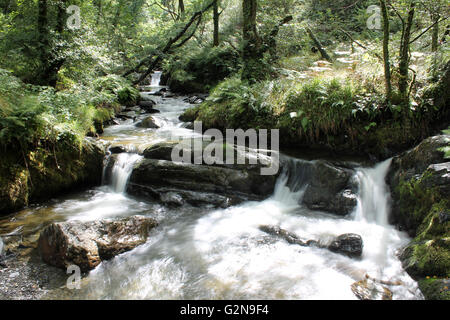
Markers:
292,182
122,169
373,199
156,79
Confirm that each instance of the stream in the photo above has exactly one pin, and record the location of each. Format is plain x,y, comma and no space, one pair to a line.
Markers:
206,253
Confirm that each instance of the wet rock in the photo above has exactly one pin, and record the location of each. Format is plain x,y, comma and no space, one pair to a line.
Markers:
117,149
153,111
349,244
417,160
87,244
74,169
370,290
160,151
435,289
240,180
147,105
290,237
331,189
195,99
427,258
419,179
172,199
196,199
148,123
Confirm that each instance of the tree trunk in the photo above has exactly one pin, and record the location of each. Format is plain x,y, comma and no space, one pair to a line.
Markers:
98,4
181,9
251,54
404,55
316,41
435,34
216,23
386,58
44,42
156,57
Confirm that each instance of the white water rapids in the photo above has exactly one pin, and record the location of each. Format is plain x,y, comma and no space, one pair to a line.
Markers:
201,253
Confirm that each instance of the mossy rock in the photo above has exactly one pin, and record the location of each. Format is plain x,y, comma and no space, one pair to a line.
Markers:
435,289
427,258
48,174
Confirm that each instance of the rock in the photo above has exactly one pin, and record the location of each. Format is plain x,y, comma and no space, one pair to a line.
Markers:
117,149
75,169
330,189
435,289
182,197
147,105
419,181
349,244
87,244
160,151
229,182
290,237
148,123
417,160
370,290
427,258
172,199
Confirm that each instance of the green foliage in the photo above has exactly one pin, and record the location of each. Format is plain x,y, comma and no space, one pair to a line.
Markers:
42,116
115,89
199,70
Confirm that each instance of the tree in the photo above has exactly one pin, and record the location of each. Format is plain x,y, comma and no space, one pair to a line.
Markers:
404,53
216,17
386,58
252,54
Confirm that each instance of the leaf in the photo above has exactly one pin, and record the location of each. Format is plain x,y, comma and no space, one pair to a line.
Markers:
305,123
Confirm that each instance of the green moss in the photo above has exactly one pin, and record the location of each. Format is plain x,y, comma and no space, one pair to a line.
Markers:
47,174
428,258
435,289
432,227
416,202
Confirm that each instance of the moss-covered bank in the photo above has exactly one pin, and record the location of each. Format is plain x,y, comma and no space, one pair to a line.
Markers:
42,174
420,185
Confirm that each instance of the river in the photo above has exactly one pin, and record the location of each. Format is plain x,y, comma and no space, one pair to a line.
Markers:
206,253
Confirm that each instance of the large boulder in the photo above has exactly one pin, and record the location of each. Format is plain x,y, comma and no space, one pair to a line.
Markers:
48,174
231,182
331,189
419,180
420,186
87,244
219,184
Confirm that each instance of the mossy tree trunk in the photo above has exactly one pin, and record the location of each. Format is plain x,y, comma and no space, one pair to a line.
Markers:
404,56
216,23
386,58
252,54
435,33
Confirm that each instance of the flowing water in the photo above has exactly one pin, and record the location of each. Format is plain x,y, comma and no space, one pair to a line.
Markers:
201,253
